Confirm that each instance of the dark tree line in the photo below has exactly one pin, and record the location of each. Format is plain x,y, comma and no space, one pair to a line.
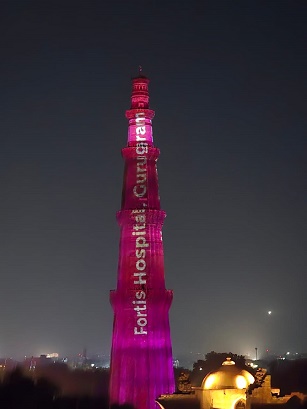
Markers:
57,387
289,375
20,391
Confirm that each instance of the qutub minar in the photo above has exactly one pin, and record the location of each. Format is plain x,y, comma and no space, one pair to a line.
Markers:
141,357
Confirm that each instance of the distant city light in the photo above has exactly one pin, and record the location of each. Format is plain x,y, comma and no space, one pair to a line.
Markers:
52,355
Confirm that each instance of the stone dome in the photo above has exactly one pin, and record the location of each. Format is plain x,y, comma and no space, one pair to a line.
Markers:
228,376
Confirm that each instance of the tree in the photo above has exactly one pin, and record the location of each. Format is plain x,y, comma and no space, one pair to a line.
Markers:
212,362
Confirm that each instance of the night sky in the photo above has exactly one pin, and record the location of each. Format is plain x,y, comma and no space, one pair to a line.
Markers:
228,84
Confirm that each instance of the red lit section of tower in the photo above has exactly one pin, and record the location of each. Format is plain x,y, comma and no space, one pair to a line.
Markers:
141,358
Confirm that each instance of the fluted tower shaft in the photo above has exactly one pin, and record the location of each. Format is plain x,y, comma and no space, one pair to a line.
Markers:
141,358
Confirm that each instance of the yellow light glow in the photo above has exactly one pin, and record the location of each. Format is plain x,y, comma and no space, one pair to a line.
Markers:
249,377
241,382
210,381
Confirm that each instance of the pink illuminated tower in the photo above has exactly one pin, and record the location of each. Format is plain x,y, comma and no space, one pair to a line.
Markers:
141,359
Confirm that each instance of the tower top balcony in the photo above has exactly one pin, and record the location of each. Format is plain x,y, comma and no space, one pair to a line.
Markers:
140,97
140,93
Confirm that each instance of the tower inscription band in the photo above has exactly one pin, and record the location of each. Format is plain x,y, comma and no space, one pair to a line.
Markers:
141,356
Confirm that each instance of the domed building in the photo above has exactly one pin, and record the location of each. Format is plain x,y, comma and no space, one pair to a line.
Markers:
228,388
225,388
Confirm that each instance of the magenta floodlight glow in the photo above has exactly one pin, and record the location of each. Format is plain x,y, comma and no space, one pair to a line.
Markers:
141,356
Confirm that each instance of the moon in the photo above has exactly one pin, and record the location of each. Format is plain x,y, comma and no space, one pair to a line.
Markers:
269,312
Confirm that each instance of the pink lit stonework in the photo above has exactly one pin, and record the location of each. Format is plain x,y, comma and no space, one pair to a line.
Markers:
141,359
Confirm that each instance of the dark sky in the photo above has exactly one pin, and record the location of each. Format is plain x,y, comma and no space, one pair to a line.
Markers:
228,84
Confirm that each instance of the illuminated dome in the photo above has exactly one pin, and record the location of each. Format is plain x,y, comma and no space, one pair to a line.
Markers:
228,376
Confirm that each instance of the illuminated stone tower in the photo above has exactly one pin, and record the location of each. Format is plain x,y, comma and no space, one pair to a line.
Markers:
141,358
